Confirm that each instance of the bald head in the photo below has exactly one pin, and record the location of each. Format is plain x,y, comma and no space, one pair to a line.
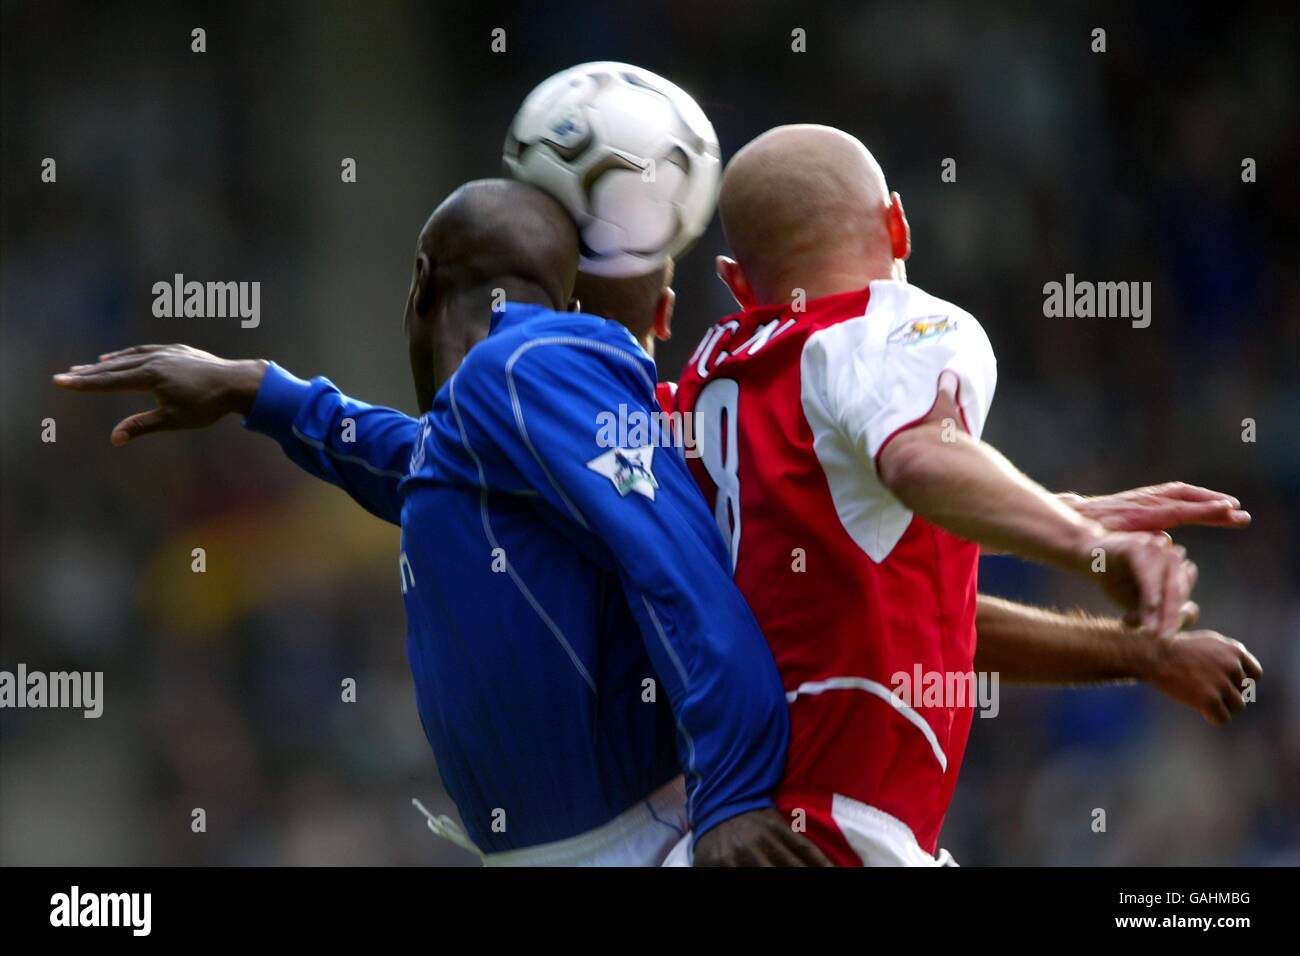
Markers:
493,229
490,238
807,206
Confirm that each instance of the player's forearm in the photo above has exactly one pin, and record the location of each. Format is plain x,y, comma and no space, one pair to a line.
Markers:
724,688
1067,498
968,488
363,449
1034,645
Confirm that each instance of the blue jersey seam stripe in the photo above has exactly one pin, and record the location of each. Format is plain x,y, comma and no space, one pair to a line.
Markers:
492,541
339,456
518,409
681,727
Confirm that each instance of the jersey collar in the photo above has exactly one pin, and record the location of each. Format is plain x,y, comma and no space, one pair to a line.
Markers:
513,314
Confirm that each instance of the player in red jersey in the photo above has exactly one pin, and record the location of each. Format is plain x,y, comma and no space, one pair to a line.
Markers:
838,419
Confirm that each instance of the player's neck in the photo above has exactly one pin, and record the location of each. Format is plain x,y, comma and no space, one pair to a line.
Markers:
496,293
824,282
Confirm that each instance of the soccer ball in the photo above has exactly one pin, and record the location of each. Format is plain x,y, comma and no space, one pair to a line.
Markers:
629,154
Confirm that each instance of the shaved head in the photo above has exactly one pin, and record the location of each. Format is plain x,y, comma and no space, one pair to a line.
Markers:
802,205
499,228
489,239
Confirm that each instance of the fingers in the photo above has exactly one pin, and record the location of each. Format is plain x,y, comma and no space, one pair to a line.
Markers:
1233,702
756,838
1201,506
775,852
1150,566
1170,505
809,854
787,848
134,350
1215,514
1179,581
128,429
114,375
1182,491
1238,675
1232,699
1162,578
745,855
1216,712
119,364
781,846
1191,613
1219,513
1249,663
1148,610
1140,517
1210,673
137,380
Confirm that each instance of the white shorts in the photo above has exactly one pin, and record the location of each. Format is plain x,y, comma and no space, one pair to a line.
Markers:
880,839
876,837
640,836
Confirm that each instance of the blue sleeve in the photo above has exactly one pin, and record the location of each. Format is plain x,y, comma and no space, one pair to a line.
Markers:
364,449
542,413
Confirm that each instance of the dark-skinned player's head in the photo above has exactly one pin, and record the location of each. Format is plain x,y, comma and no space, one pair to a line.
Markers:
491,239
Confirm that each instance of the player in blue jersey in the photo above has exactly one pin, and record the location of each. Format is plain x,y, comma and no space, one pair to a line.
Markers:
575,637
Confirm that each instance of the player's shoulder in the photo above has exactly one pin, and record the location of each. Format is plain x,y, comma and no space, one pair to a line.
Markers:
908,315
533,347
899,315
899,345
555,337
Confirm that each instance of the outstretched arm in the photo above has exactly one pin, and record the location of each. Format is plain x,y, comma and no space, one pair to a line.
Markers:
911,397
361,448
964,485
1201,669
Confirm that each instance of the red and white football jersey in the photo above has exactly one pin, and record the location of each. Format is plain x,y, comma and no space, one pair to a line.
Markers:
790,411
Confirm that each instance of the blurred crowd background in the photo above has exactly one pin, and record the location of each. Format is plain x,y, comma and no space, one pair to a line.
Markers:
222,690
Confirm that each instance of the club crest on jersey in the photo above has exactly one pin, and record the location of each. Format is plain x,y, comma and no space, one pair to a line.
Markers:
918,330
628,469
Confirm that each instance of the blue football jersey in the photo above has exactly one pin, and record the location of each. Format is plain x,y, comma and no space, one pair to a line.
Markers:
574,633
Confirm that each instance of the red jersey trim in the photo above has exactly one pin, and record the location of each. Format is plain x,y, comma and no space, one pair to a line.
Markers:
916,421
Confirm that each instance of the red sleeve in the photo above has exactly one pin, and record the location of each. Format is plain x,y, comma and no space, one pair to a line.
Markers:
666,392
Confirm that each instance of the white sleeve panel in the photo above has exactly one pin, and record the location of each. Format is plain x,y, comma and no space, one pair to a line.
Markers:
882,372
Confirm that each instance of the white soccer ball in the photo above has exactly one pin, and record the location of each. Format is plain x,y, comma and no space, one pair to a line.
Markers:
629,154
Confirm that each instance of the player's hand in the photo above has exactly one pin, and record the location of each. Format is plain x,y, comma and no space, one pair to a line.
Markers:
756,838
1161,507
1205,671
192,388
1146,574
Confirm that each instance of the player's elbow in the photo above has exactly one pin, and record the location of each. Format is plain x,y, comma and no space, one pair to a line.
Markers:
907,464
